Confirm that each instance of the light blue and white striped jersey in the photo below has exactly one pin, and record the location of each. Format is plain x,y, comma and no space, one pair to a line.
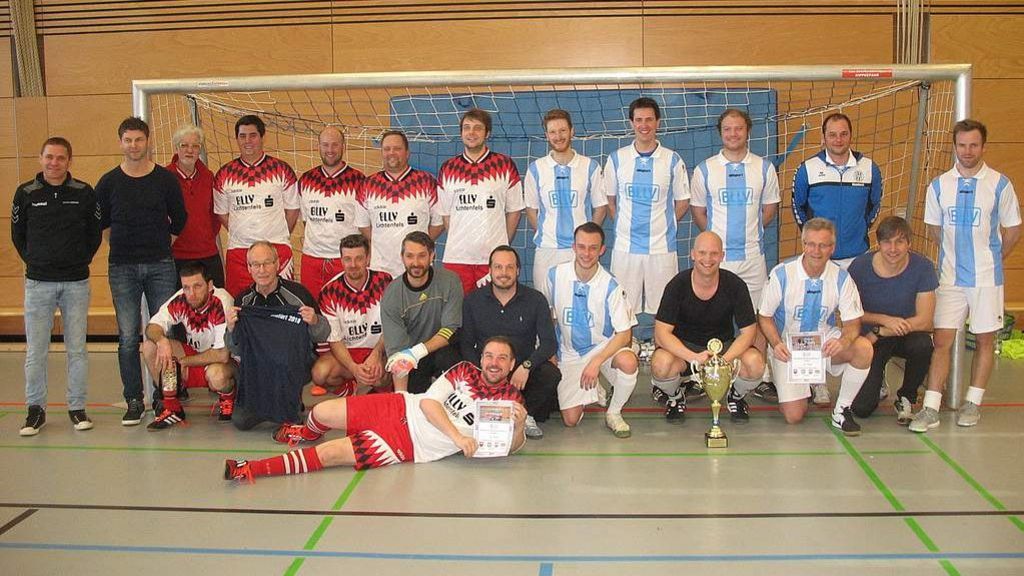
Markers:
587,314
646,188
798,303
969,212
733,193
564,196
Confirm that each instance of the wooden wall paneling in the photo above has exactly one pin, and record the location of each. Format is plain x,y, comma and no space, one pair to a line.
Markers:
789,39
6,69
10,177
8,132
90,168
992,43
997,103
480,44
32,125
75,63
89,121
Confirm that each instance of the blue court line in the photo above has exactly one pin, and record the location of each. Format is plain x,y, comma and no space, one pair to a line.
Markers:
546,569
532,558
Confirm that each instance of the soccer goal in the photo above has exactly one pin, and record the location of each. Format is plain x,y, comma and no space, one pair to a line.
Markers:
901,114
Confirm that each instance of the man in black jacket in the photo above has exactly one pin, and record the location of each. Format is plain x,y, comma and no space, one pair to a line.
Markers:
55,226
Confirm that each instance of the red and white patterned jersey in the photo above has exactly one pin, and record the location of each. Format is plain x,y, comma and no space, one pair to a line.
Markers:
329,205
457,390
204,327
393,207
354,312
255,197
476,196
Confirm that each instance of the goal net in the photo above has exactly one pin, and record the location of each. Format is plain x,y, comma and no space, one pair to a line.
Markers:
901,119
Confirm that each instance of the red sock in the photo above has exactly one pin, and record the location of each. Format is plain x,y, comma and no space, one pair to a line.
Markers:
315,426
171,402
294,462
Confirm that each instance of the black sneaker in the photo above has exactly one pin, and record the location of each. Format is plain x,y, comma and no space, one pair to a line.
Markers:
738,411
158,407
675,408
766,391
133,417
166,419
659,395
694,390
183,394
80,420
35,420
846,423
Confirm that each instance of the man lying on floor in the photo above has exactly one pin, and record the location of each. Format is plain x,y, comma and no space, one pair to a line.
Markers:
383,429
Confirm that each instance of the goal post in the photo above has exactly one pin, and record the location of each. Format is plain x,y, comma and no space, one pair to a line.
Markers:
901,114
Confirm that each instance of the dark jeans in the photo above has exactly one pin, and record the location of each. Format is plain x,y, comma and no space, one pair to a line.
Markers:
916,348
541,391
128,283
431,366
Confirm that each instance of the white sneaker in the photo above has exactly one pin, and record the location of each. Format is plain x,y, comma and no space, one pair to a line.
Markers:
617,425
819,395
925,420
532,429
969,414
904,410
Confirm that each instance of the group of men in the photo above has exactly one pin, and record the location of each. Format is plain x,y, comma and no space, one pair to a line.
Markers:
387,318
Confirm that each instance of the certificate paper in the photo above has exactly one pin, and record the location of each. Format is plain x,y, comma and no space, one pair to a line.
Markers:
493,428
807,364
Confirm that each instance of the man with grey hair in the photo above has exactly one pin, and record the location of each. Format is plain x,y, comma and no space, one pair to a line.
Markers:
198,240
801,300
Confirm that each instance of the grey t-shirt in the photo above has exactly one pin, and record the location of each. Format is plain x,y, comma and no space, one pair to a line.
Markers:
412,315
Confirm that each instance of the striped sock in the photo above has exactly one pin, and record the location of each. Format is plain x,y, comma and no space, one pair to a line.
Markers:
294,462
315,426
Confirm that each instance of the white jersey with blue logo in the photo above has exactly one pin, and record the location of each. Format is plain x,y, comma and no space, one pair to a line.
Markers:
969,212
798,303
564,196
646,186
587,314
733,193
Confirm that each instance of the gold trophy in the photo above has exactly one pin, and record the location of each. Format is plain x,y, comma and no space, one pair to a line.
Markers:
717,376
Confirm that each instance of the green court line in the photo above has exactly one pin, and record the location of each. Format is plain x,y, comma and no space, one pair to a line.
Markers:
2,414
675,454
995,502
27,446
893,452
314,538
889,496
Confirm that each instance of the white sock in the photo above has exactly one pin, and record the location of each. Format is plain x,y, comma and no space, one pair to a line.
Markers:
933,400
849,386
670,386
741,386
624,385
974,395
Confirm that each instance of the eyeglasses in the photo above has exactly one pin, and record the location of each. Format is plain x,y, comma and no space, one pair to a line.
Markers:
264,264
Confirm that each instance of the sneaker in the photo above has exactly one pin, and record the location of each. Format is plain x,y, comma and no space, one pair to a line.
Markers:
134,414
238,470
317,390
158,407
675,408
183,394
533,430
738,411
646,351
617,425
968,415
166,419
80,420
659,396
292,434
846,423
766,391
694,390
35,421
883,392
904,410
819,395
925,420
225,407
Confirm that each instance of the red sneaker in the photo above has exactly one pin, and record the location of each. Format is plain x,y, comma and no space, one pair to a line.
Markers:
225,406
238,470
292,434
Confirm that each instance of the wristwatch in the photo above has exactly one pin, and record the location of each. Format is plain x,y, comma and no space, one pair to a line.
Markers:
527,364
876,330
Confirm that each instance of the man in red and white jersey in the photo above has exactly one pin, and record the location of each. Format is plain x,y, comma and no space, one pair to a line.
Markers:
199,308
329,198
383,429
351,303
395,201
256,197
481,199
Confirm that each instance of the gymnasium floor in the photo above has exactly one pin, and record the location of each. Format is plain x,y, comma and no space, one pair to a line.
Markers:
795,500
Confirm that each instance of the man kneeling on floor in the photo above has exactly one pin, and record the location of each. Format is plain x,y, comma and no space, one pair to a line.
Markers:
383,429
202,358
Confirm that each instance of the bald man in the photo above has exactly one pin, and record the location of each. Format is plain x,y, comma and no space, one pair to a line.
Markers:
699,304
328,195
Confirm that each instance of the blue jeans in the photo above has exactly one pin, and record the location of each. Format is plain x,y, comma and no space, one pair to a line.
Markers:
42,299
128,283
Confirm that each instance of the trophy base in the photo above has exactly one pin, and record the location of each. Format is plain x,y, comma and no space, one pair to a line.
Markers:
716,441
